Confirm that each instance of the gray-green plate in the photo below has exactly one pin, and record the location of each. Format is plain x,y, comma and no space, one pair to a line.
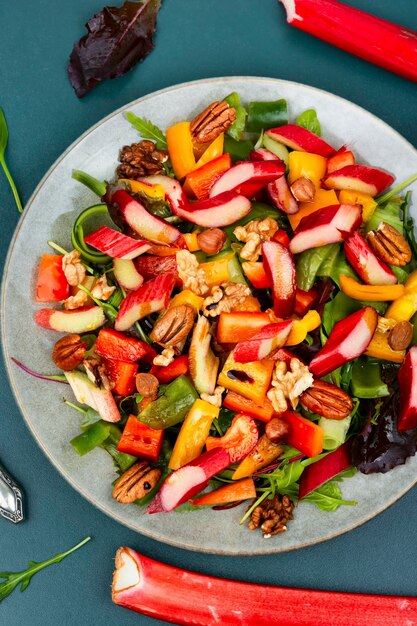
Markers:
50,214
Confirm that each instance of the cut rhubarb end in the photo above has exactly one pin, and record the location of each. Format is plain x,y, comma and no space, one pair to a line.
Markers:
366,263
261,172
363,178
388,45
280,269
407,378
221,210
299,138
263,344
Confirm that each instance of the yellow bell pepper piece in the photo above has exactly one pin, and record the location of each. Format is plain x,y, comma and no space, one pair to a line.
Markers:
214,150
187,297
373,293
256,378
312,166
368,204
180,148
300,328
263,454
153,191
405,307
193,434
250,304
217,272
322,199
379,348
192,241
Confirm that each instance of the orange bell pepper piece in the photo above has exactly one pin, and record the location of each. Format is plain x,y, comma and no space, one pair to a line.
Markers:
122,375
248,379
192,241
52,286
372,293
187,297
193,434
249,304
239,326
308,165
304,435
263,454
367,202
322,199
153,191
200,180
236,402
379,348
405,307
234,492
300,328
217,272
180,148
214,150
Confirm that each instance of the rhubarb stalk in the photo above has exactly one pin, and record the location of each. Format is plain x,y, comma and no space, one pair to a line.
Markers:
182,597
371,38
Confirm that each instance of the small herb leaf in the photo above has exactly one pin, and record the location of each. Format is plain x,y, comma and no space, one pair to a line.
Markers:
4,137
148,130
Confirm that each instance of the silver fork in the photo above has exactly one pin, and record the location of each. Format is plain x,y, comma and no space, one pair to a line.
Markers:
11,498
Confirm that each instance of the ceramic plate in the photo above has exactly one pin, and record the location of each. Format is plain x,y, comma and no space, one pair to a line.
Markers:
50,215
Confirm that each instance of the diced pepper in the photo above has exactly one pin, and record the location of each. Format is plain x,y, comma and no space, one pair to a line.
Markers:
192,241
307,165
371,293
52,285
172,406
193,434
140,440
255,272
263,115
322,199
217,271
136,186
405,307
300,328
238,440
200,180
122,375
94,436
187,297
304,434
263,454
118,346
164,251
180,148
248,379
367,202
239,326
236,402
214,150
281,237
304,300
379,348
234,492
250,304
177,367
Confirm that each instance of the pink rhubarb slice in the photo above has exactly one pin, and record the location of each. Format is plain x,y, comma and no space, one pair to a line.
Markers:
407,377
263,343
299,138
151,297
361,178
366,264
115,244
261,172
280,269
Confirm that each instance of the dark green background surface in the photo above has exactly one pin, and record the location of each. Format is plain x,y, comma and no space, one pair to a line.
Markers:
195,39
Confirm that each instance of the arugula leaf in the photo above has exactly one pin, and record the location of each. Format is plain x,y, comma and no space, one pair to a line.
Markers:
148,130
14,579
328,497
4,138
309,120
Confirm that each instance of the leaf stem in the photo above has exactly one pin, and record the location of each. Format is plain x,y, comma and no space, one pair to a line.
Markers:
393,192
12,184
61,250
254,505
96,186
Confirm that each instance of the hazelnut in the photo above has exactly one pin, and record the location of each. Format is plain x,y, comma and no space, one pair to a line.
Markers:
401,335
211,240
303,189
277,430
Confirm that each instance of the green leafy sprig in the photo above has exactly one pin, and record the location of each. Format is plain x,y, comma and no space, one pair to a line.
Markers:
14,579
4,138
148,130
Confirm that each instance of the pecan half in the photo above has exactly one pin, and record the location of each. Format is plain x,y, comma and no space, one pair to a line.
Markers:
136,482
210,123
389,245
401,335
327,400
69,352
173,326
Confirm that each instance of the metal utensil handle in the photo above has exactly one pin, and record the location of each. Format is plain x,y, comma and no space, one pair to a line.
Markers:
8,487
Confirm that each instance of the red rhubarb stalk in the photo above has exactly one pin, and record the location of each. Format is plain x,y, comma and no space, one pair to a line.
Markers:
373,39
315,475
183,597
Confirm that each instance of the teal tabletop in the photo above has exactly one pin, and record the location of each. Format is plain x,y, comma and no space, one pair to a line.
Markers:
195,39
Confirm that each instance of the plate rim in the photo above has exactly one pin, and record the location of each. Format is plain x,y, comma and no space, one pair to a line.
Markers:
7,359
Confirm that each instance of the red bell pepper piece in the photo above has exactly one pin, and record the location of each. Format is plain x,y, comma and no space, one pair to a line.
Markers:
241,325
255,271
122,375
239,438
201,179
177,367
120,347
304,435
305,300
52,285
315,475
150,266
140,440
281,237
236,402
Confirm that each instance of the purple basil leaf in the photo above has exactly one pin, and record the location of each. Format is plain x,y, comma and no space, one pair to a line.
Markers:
118,37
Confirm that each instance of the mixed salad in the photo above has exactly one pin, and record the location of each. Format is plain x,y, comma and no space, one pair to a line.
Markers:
238,310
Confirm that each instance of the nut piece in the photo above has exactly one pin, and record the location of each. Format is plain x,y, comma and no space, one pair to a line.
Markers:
277,430
385,324
224,298
272,515
215,399
212,122
191,274
303,189
102,290
147,385
174,326
73,269
141,159
211,240
97,373
389,245
327,400
254,234
165,358
69,352
136,482
401,335
288,384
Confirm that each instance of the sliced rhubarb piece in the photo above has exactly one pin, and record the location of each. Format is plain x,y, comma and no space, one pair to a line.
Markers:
203,364
173,190
263,344
126,274
349,339
261,172
279,266
187,481
388,45
299,138
115,244
281,196
151,297
262,154
332,224
238,440
222,210
342,158
366,263
99,399
407,377
82,320
318,473
361,178
120,347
